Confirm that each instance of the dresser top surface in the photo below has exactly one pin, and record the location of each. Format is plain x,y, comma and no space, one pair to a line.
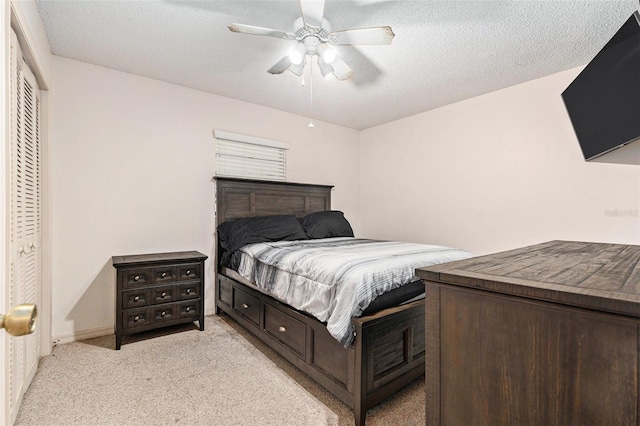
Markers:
150,258
593,275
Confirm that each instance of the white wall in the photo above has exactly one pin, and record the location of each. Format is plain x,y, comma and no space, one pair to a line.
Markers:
132,165
493,173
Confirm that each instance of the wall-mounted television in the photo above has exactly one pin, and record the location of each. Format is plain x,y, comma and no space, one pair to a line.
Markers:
603,101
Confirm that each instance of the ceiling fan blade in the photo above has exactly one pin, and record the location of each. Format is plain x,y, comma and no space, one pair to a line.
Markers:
312,12
341,70
250,29
281,66
375,35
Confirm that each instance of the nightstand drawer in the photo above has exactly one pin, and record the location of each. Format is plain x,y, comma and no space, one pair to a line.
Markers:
189,291
164,274
246,305
189,309
163,313
189,271
285,328
163,294
135,298
136,318
135,277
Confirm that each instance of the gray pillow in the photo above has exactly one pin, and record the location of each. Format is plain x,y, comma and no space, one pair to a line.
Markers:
326,224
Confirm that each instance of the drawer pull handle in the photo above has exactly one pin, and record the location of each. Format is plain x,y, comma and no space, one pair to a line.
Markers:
245,306
136,318
282,329
164,275
188,309
163,313
135,299
188,272
188,291
163,295
136,278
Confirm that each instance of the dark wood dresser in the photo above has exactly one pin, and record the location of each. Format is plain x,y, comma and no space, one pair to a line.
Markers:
158,290
541,335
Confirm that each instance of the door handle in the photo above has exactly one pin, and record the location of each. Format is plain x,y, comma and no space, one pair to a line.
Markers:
20,320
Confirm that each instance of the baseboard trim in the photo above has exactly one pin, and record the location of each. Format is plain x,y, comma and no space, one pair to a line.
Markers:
82,335
89,334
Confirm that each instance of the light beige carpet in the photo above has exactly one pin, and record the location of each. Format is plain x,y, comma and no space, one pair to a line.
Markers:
179,375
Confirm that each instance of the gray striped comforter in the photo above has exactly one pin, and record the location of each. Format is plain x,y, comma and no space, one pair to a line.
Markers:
335,279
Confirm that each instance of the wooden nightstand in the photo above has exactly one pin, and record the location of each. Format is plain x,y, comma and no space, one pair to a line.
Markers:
158,290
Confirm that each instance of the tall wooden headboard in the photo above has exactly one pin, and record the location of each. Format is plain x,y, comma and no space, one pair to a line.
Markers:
239,198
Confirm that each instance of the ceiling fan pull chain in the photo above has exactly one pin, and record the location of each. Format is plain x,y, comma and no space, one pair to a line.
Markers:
311,94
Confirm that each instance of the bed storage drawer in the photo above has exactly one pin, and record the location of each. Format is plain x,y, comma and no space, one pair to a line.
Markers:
285,329
246,305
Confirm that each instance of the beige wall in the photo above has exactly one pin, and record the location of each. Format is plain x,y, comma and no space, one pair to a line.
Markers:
133,160
132,166
492,173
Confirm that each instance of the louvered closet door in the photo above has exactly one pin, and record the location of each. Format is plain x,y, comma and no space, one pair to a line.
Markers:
25,235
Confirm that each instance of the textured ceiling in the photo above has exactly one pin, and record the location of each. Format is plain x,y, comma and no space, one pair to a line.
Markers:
443,52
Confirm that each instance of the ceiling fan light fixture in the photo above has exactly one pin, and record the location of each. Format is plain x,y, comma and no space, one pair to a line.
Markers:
296,56
297,69
328,54
325,68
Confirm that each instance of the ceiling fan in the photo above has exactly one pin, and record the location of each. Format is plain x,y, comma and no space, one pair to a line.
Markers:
314,36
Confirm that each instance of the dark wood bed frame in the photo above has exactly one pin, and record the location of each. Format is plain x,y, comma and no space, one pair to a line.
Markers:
388,351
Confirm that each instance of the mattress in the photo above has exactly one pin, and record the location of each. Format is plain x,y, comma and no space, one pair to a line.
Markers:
336,279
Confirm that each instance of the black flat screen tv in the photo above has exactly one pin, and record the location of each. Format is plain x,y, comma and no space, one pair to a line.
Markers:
603,102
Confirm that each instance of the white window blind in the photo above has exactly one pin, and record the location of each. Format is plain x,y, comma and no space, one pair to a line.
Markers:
250,157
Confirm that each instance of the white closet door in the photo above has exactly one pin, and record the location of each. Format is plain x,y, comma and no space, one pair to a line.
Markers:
25,235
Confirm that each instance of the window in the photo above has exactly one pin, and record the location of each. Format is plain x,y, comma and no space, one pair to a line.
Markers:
250,157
